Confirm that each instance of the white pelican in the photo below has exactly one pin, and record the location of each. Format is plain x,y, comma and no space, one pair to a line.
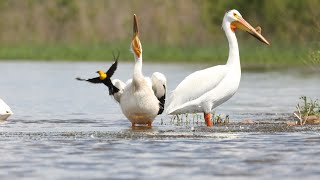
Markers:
5,110
141,98
206,89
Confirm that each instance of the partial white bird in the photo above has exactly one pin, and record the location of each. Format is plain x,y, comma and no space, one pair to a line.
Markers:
206,89
5,110
141,98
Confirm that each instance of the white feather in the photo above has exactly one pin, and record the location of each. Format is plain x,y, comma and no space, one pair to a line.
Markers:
159,84
5,110
195,86
120,85
138,102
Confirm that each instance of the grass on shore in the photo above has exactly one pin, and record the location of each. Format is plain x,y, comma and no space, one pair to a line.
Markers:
308,108
252,54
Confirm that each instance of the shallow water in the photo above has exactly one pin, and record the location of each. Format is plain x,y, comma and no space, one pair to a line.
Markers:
66,129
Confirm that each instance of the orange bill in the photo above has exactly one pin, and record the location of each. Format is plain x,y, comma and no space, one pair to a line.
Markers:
244,25
135,39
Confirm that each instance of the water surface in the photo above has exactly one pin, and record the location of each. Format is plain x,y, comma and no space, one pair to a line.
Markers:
66,129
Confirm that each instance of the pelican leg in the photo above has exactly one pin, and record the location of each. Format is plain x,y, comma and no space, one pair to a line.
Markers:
149,124
208,119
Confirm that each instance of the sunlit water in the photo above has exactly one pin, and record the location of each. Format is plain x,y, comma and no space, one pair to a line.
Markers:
66,129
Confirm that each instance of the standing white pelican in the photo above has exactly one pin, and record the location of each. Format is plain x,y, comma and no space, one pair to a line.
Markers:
5,110
141,98
206,89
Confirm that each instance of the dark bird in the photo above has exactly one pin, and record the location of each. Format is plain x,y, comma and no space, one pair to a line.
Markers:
104,77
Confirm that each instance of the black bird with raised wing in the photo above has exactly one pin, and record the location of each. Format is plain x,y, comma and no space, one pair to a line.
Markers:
104,77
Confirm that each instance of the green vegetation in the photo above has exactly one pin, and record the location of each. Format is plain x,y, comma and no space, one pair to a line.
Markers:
307,109
314,58
179,31
251,55
193,120
286,20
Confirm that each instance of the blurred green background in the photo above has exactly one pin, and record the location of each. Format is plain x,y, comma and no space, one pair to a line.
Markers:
170,30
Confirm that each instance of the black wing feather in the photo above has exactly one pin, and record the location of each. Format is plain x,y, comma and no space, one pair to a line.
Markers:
114,66
95,80
112,69
162,101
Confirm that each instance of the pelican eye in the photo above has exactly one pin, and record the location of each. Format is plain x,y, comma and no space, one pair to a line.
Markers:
235,15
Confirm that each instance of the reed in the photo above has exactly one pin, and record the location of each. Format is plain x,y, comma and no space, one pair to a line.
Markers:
308,109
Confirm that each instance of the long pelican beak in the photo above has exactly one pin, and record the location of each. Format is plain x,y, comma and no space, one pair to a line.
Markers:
136,45
244,25
135,26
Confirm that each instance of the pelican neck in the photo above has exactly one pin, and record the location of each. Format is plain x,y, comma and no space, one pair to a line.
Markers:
234,58
137,72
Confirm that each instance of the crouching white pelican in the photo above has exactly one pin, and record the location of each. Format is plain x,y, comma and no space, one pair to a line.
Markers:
141,98
206,89
5,110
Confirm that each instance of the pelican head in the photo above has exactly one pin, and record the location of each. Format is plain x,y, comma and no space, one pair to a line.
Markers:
136,47
102,75
5,110
234,19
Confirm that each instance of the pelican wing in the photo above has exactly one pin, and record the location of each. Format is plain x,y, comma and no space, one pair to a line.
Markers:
159,87
120,85
159,84
195,85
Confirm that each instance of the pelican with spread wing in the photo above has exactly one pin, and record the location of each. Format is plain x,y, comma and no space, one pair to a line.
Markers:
206,89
